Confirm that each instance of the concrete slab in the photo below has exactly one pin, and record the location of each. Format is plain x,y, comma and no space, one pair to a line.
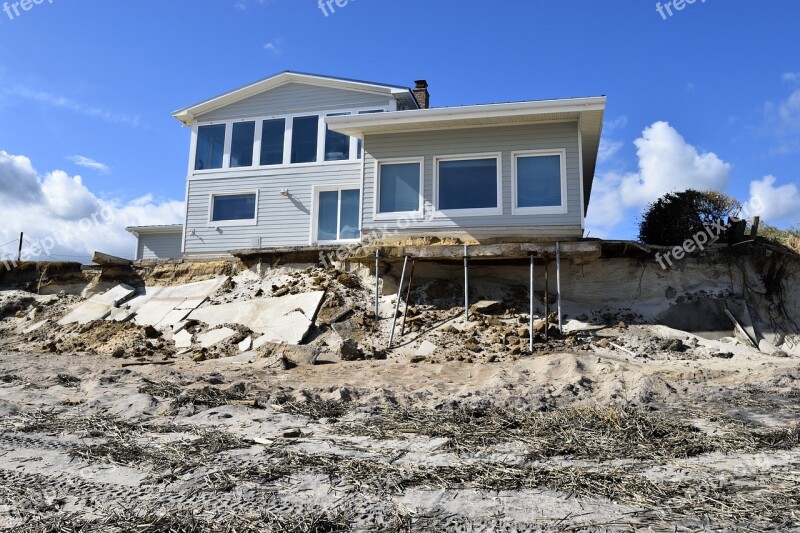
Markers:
281,320
168,306
215,336
98,306
246,344
183,339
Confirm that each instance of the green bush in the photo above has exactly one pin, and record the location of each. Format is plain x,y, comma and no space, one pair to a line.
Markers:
675,217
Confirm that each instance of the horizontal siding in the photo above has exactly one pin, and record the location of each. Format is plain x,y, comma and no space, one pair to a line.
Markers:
295,98
506,139
159,246
281,221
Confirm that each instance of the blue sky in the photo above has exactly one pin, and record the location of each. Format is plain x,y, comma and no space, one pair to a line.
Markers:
87,89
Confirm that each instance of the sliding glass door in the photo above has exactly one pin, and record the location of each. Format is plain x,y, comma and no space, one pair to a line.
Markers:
337,214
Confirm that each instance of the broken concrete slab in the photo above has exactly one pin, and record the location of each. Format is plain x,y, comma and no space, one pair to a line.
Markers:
99,306
246,344
281,320
426,349
215,336
167,306
183,339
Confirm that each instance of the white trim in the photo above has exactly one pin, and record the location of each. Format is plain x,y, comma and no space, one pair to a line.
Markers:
315,190
185,219
231,223
479,212
580,171
544,210
420,117
376,215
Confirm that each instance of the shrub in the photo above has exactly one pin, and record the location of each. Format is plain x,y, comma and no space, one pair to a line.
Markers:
675,217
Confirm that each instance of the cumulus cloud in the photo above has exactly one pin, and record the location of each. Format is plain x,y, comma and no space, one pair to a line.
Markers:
773,203
63,219
88,162
782,121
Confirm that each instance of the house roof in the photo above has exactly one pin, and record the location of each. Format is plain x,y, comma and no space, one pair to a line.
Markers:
588,112
187,114
147,230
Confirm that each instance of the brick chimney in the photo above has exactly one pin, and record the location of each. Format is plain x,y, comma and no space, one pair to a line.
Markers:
421,94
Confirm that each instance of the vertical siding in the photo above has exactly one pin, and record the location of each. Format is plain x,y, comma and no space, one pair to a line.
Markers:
159,246
504,139
281,221
296,98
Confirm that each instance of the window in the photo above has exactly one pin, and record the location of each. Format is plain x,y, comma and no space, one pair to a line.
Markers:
273,133
468,186
337,146
233,208
539,182
399,187
337,214
305,131
210,147
244,135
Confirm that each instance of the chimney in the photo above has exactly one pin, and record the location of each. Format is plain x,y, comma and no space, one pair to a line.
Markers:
421,94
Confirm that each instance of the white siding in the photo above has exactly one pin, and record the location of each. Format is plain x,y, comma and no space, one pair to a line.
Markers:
296,98
159,246
505,139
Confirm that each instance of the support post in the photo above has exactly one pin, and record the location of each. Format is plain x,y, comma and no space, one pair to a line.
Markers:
19,251
546,300
558,287
408,296
377,283
397,304
466,284
530,328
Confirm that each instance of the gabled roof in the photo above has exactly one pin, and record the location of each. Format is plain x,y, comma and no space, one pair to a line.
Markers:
187,114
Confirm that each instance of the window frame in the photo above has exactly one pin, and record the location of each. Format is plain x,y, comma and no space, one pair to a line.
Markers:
473,212
315,190
376,214
561,209
253,154
229,223
287,141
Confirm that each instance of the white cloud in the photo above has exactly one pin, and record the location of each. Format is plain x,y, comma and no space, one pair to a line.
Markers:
667,163
88,162
782,120
274,47
59,212
619,122
791,77
772,203
62,102
607,150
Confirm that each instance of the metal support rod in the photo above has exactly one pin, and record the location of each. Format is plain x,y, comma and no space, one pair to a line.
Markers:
19,252
530,329
397,304
377,283
466,284
408,296
558,287
546,301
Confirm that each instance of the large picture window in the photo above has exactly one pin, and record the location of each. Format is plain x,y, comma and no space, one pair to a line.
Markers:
210,147
305,132
399,187
539,182
233,209
468,186
244,134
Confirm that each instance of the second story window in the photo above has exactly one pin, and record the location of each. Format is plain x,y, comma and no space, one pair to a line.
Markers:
210,147
244,134
337,145
305,134
273,133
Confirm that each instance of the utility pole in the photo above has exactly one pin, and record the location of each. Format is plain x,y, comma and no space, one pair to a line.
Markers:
19,251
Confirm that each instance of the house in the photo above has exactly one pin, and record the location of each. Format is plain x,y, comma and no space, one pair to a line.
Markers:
302,160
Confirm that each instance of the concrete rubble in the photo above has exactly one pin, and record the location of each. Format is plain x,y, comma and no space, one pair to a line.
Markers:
99,306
